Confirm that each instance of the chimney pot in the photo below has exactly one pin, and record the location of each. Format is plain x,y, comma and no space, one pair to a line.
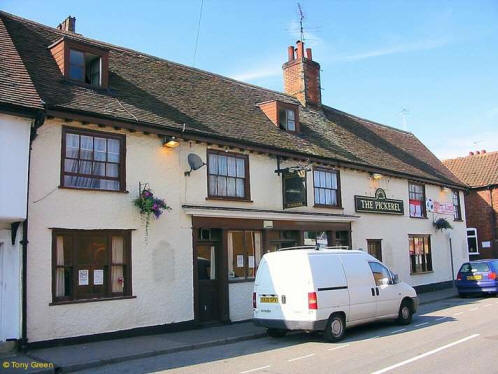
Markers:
290,52
300,49
483,151
308,54
69,24
478,153
471,153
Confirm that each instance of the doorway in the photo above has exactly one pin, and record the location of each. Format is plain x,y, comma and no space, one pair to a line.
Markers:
375,248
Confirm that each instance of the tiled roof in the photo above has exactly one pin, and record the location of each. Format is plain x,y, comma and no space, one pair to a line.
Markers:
478,170
152,91
16,87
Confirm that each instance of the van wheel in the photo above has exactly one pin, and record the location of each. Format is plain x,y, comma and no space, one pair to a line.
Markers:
405,313
336,328
276,333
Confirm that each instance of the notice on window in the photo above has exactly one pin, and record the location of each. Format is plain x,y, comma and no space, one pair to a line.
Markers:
486,244
83,278
98,277
251,262
240,261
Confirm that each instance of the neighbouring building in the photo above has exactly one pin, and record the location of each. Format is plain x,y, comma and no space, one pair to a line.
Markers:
245,170
479,170
20,110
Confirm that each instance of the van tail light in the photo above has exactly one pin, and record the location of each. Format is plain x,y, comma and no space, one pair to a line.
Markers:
459,276
312,301
254,300
491,275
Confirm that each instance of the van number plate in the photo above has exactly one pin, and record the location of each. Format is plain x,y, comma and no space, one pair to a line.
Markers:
268,299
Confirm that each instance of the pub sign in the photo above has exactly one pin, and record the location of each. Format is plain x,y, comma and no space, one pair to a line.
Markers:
294,186
378,204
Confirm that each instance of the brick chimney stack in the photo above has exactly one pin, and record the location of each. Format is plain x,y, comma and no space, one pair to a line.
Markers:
69,24
302,76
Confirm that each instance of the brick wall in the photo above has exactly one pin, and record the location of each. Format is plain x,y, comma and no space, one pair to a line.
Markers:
481,207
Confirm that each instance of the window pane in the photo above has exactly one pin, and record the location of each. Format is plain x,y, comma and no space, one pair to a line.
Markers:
76,57
333,197
86,148
213,185
99,168
206,262
71,166
291,125
230,186
117,278
93,71
322,179
85,167
236,255
240,187
117,246
241,170
290,115
232,169
333,180
213,164
316,178
92,250
222,186
113,150
222,165
72,145
328,197
253,245
112,170
322,196
100,149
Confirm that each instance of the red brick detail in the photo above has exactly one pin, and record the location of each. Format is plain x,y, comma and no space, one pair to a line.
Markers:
58,53
481,208
302,77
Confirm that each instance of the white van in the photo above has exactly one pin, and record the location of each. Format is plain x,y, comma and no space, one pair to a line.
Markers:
327,290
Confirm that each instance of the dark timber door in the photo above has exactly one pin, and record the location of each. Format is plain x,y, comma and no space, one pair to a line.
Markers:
375,248
208,283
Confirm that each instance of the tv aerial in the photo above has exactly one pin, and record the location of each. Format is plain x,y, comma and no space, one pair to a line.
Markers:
195,163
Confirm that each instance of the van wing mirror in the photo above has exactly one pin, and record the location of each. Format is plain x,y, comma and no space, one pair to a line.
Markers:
395,279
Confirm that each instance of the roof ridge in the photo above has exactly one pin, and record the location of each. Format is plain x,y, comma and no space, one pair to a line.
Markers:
470,156
130,50
355,117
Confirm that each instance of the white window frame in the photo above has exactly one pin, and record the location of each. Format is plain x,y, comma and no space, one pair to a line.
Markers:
475,237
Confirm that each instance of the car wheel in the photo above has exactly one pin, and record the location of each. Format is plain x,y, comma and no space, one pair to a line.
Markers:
276,333
405,313
336,328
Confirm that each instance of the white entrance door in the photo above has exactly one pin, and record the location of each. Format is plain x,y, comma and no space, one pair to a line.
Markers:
2,292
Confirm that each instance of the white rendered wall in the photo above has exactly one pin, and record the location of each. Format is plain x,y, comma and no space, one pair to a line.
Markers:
10,285
14,153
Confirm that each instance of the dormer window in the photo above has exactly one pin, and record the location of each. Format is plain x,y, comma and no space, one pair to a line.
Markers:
284,115
287,119
85,67
82,62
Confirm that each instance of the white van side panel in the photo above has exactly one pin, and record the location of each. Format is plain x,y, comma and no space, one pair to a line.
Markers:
330,284
362,304
287,277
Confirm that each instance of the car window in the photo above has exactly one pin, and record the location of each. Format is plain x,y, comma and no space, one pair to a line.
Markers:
475,267
381,274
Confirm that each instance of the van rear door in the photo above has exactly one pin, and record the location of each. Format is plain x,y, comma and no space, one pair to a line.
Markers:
361,285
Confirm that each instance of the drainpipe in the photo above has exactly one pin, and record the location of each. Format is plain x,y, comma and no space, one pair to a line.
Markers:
493,221
39,120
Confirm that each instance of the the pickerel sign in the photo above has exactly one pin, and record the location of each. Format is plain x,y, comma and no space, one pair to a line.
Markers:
378,204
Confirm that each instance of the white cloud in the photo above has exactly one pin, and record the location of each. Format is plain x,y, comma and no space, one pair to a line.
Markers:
265,70
420,45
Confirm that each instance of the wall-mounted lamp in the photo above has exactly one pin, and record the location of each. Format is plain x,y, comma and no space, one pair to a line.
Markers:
445,189
377,176
170,141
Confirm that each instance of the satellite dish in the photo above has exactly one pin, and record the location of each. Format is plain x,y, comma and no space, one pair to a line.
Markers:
195,162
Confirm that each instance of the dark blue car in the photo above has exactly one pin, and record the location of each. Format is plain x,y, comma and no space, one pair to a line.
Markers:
478,277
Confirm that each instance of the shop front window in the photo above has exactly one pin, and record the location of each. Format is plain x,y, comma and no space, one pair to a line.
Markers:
244,253
281,239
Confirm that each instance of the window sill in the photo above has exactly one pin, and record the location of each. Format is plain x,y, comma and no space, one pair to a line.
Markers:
458,220
241,280
418,217
243,200
473,253
80,301
328,206
91,189
423,272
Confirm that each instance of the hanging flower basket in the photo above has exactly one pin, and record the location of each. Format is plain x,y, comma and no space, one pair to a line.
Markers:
442,223
149,206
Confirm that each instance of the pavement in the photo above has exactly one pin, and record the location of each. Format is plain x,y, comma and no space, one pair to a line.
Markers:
69,358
